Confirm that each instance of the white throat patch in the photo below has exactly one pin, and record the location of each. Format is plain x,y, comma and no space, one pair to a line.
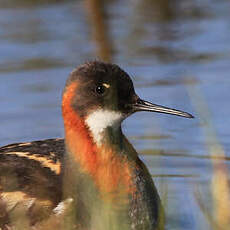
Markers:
99,120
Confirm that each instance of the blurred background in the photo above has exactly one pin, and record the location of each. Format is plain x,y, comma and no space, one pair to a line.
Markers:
178,54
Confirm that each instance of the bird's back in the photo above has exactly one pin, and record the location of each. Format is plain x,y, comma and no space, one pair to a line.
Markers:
30,178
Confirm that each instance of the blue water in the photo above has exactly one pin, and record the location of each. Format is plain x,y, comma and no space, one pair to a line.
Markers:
178,55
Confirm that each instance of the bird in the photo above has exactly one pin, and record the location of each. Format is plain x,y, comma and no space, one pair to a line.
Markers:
92,178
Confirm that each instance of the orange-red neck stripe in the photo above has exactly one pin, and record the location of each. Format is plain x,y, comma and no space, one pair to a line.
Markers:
110,171
77,136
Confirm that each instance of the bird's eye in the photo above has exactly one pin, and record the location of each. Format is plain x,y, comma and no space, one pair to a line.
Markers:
100,89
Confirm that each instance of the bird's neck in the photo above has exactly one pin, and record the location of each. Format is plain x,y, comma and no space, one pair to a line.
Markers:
106,181
106,164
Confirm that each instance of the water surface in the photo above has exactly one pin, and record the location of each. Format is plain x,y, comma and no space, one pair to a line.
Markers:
177,54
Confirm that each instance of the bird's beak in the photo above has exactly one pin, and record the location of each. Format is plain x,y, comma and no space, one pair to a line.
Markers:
142,105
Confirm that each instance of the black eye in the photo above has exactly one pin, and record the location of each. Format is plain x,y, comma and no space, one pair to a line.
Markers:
100,89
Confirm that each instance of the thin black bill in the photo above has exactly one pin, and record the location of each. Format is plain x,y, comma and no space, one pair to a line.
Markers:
142,105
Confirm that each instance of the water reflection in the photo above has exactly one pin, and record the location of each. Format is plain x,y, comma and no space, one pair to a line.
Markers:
175,175
182,153
159,29
28,3
31,64
167,47
99,28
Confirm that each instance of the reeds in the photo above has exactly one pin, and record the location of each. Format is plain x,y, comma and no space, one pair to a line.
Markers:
218,215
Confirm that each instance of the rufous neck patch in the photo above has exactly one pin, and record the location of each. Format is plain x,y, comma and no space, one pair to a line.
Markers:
77,137
110,171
